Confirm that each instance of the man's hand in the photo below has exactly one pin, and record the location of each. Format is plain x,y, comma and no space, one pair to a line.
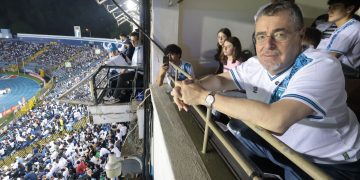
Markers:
192,93
164,68
187,93
176,93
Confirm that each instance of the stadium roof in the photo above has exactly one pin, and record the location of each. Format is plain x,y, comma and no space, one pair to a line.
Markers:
122,10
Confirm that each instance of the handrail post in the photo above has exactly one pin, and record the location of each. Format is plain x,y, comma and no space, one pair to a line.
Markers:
176,76
206,132
94,88
92,95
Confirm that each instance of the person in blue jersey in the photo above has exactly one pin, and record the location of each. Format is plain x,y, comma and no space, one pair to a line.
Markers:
344,42
173,54
297,96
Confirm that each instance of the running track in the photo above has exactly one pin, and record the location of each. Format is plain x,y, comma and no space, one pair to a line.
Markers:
20,87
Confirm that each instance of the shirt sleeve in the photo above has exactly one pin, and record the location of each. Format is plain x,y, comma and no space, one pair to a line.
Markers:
239,73
189,70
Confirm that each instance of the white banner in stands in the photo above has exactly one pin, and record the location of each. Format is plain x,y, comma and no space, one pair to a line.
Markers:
77,31
68,64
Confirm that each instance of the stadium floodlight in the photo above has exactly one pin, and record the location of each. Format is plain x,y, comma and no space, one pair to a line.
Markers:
111,8
100,1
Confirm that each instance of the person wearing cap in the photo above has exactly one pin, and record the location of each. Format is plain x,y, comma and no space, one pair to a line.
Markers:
115,59
126,79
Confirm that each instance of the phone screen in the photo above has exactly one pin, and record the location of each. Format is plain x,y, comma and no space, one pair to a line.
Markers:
166,60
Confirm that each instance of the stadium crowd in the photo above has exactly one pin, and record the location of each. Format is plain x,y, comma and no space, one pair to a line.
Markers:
66,77
56,55
13,51
82,153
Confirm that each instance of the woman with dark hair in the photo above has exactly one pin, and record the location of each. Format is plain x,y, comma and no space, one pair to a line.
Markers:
232,53
232,57
222,35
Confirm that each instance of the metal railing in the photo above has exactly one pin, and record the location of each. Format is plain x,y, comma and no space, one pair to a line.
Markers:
99,84
292,155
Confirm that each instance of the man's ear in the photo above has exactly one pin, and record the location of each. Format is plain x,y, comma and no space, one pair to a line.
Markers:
302,32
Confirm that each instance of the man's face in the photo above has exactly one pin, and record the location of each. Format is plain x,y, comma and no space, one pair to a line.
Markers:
122,38
134,40
278,43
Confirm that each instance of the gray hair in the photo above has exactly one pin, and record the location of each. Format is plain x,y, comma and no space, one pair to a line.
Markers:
273,9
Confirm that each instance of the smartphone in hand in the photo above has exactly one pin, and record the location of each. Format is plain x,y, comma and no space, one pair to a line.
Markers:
166,60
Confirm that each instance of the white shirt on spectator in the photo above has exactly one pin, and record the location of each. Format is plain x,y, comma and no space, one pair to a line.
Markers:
123,130
137,58
345,40
95,160
66,173
116,61
116,151
331,134
104,151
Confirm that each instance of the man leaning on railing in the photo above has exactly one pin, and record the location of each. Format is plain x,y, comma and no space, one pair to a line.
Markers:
298,96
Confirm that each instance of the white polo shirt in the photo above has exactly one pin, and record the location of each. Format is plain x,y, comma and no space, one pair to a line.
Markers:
137,59
116,61
345,40
330,135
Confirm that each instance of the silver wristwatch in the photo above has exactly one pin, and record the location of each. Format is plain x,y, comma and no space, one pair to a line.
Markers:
210,99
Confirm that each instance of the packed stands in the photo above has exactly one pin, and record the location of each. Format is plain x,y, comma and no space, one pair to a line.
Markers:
62,156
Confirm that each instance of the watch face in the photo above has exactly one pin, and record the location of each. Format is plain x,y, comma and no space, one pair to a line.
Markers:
209,99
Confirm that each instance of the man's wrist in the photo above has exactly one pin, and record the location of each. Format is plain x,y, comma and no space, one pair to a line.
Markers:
198,82
209,99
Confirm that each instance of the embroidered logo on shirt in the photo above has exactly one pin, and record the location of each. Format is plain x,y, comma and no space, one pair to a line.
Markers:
255,89
346,156
300,62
